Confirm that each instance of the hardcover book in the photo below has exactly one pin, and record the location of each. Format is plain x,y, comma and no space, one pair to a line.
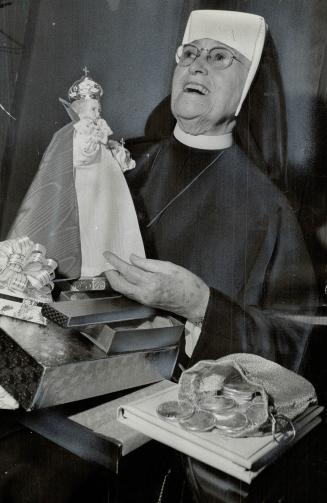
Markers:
243,458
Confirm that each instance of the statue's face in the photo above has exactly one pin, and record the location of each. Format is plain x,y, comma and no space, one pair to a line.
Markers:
87,109
204,98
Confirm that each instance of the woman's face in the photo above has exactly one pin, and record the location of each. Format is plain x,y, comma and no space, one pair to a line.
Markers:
204,99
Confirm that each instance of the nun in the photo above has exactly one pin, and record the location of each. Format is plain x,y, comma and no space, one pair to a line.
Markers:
225,251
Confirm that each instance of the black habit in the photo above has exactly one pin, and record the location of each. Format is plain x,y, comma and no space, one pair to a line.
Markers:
216,214
229,225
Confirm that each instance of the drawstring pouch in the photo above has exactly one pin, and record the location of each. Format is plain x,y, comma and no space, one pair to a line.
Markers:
247,394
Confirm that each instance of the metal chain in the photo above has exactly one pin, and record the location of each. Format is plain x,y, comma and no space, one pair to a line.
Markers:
163,485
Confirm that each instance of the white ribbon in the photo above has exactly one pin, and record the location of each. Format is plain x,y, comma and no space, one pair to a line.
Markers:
25,268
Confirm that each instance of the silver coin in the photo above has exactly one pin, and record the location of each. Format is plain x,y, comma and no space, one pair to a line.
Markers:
216,403
239,398
256,413
228,414
173,410
238,387
237,393
200,421
242,401
233,422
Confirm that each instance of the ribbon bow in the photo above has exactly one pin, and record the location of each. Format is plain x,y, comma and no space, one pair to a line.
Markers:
24,267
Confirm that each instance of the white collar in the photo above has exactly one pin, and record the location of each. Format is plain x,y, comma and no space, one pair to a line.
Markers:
202,141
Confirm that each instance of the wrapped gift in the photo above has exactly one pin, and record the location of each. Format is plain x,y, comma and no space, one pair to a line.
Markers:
43,366
25,279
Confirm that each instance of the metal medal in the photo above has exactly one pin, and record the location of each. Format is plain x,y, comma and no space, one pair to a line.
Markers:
256,413
216,403
241,392
174,411
200,421
237,387
231,423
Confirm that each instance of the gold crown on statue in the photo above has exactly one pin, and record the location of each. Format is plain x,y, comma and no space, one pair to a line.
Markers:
85,88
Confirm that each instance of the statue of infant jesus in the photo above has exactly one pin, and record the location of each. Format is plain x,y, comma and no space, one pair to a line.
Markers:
79,204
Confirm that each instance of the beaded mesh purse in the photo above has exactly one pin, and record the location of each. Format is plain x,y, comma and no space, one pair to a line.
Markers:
249,395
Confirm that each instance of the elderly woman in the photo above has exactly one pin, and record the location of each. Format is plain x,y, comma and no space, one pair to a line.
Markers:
226,251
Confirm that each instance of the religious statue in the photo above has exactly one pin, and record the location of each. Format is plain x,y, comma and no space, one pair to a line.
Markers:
79,204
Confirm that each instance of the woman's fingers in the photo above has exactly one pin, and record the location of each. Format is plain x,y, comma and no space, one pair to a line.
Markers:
131,273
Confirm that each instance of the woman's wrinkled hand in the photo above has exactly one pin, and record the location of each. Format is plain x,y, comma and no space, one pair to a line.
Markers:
159,284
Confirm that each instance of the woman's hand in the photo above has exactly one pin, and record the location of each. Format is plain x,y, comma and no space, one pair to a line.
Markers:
159,284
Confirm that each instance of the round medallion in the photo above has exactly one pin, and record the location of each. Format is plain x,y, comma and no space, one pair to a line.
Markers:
231,423
201,420
256,413
173,410
216,403
241,392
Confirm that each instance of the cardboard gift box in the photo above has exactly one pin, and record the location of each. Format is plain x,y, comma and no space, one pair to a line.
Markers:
134,335
45,365
115,324
83,312
42,366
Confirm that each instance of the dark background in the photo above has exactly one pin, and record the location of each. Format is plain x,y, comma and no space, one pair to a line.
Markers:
129,46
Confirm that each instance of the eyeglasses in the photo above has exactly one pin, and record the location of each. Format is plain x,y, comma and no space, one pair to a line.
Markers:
217,57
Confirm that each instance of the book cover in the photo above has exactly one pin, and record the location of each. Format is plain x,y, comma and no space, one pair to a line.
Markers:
243,458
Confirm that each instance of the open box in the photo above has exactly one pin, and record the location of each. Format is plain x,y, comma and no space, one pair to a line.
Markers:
134,335
116,324
42,366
